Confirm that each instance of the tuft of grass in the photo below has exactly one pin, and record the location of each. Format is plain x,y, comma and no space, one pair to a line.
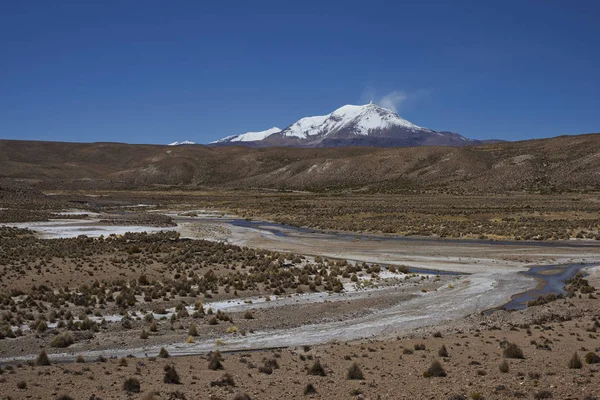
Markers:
242,396
544,394
309,389
144,334
513,351
22,385
355,373
214,361
42,359
132,385
592,358
80,359
224,381
435,370
62,340
443,352
192,330
171,376
504,367
163,353
575,362
317,369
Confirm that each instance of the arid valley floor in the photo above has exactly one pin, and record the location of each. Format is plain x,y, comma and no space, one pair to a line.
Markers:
215,294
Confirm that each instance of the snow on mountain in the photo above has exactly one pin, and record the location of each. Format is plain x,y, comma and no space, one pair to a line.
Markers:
180,143
361,119
351,125
248,136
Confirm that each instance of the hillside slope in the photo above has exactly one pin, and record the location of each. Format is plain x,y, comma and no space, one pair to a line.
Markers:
564,163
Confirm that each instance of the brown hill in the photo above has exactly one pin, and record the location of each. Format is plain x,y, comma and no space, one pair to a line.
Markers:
563,163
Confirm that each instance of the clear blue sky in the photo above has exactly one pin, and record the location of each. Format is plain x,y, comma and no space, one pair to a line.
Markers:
159,71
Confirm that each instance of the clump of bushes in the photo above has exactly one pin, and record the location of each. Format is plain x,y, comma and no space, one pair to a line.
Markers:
62,340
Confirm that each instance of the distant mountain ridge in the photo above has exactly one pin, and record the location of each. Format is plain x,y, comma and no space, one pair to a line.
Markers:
248,136
563,163
180,143
350,125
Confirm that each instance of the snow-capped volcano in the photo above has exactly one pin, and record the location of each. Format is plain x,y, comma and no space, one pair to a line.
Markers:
248,136
360,120
351,125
